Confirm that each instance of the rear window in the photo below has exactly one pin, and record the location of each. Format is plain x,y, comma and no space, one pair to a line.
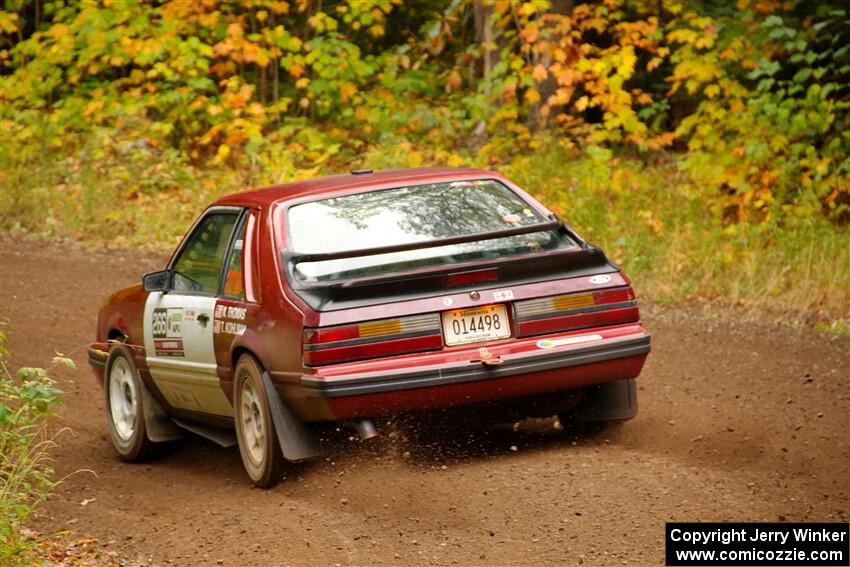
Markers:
406,215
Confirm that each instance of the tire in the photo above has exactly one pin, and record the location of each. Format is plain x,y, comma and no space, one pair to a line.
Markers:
610,402
255,432
124,408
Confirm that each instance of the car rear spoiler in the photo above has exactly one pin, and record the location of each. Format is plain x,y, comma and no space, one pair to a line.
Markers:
294,258
580,259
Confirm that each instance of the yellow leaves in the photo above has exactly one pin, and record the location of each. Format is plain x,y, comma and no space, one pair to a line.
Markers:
8,22
539,73
93,106
279,7
346,91
627,60
653,63
453,81
58,31
455,160
235,30
376,31
661,141
321,22
562,96
581,103
529,34
252,53
712,91
362,114
295,44
255,109
532,96
567,77
221,154
706,41
302,83
767,6
682,35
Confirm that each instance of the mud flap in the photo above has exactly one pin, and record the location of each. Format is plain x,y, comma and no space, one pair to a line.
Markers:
612,401
297,442
158,425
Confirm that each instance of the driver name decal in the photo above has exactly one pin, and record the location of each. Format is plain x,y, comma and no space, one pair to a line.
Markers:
227,320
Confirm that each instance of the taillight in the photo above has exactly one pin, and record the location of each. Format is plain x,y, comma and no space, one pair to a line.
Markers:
372,339
576,311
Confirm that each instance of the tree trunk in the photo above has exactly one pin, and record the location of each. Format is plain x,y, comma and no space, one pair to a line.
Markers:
485,34
549,85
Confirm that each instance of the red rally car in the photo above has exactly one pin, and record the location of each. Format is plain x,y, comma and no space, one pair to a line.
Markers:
354,296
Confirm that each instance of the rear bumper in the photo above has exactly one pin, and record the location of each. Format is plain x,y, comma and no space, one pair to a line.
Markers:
469,372
527,368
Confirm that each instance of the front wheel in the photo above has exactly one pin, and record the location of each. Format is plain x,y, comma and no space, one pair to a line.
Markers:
258,444
124,409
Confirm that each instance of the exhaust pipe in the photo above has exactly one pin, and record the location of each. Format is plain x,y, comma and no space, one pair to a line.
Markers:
366,429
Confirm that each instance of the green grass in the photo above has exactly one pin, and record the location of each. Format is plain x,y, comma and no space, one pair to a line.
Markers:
651,218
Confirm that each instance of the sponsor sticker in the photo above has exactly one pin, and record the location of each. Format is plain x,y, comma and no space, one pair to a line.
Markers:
167,331
447,301
168,347
600,279
167,323
549,343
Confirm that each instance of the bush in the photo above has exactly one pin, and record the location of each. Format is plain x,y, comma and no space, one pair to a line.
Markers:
27,401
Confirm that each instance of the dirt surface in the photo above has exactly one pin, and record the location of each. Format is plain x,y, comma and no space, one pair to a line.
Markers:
738,422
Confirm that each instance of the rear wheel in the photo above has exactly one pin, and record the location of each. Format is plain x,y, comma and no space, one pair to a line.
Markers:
124,409
258,444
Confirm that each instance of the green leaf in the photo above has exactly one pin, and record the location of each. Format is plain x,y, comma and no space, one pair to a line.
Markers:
771,21
802,75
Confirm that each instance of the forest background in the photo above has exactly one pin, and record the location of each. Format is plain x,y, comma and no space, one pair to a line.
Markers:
703,144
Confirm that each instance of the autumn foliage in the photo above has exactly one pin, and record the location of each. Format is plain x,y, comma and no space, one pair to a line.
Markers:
704,144
757,92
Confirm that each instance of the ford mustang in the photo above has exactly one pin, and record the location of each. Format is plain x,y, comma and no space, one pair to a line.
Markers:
350,297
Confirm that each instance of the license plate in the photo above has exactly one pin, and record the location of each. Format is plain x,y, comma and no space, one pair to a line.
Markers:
488,323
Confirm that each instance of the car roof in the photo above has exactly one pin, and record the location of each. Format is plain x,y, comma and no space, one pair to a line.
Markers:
349,183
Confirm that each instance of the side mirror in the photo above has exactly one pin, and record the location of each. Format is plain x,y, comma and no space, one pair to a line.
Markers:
157,281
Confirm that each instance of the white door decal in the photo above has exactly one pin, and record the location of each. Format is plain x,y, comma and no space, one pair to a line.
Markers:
180,353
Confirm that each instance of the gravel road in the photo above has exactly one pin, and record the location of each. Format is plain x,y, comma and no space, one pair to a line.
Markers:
739,421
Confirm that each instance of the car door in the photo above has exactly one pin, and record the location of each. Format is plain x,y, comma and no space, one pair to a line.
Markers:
178,324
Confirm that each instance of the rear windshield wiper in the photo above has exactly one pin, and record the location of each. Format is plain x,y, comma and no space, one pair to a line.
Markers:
294,258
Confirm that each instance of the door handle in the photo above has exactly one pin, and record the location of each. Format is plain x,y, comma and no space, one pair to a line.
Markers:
203,319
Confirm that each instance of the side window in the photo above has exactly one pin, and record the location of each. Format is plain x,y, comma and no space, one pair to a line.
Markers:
198,268
233,279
